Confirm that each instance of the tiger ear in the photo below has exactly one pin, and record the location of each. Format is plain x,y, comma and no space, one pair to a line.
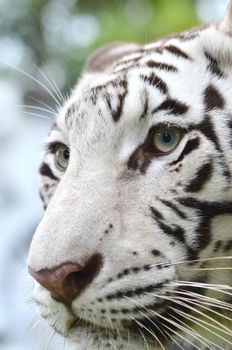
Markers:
104,57
226,24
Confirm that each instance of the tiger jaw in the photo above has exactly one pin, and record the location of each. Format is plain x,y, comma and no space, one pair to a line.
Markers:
91,335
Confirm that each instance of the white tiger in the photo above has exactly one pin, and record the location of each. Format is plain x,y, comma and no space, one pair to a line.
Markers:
134,249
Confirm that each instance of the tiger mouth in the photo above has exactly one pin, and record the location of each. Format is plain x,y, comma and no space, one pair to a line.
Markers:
137,330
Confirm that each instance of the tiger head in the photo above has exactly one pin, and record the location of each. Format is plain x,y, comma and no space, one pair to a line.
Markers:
134,246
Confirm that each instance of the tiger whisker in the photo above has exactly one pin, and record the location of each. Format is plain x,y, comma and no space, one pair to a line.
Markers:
144,339
179,262
36,108
226,331
42,103
52,83
118,331
37,115
150,332
177,326
201,299
173,339
208,269
204,340
211,310
36,81
214,287
152,312
197,321
177,301
197,295
154,335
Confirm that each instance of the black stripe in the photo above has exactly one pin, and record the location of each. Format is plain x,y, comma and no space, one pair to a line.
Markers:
176,231
202,176
154,80
135,292
190,146
212,98
177,51
211,209
206,211
108,101
229,124
172,106
207,128
70,111
169,204
156,213
121,99
43,200
46,171
213,65
145,106
162,66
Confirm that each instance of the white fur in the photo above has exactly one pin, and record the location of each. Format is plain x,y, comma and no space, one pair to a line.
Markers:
98,189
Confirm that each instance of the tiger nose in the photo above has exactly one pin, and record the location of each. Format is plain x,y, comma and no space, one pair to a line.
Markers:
67,281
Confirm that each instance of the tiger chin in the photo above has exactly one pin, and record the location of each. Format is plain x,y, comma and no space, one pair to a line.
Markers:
134,249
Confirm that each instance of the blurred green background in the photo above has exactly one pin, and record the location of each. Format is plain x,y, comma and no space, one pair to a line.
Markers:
57,36
43,46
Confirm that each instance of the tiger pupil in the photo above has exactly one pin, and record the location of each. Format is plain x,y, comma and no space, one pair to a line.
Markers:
66,154
166,137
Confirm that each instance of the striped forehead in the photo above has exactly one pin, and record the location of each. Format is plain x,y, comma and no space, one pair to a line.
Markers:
164,78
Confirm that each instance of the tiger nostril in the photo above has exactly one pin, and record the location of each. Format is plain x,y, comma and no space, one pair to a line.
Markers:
67,281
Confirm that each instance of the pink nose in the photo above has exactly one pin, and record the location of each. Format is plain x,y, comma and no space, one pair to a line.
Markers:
67,281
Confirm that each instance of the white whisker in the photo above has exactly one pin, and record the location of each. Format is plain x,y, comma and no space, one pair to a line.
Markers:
36,81
204,299
198,322
36,108
52,83
42,103
36,115
181,261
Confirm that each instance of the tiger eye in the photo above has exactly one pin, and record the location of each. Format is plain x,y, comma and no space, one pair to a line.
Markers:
165,139
62,157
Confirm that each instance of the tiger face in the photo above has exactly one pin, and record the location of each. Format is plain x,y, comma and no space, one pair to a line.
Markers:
134,248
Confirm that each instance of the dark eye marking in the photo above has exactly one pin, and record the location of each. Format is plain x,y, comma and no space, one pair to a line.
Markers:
46,171
190,146
52,147
160,141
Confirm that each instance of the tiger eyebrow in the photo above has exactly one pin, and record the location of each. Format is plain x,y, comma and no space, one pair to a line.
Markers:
52,146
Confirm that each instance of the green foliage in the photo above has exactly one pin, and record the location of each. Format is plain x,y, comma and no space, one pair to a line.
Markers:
36,24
